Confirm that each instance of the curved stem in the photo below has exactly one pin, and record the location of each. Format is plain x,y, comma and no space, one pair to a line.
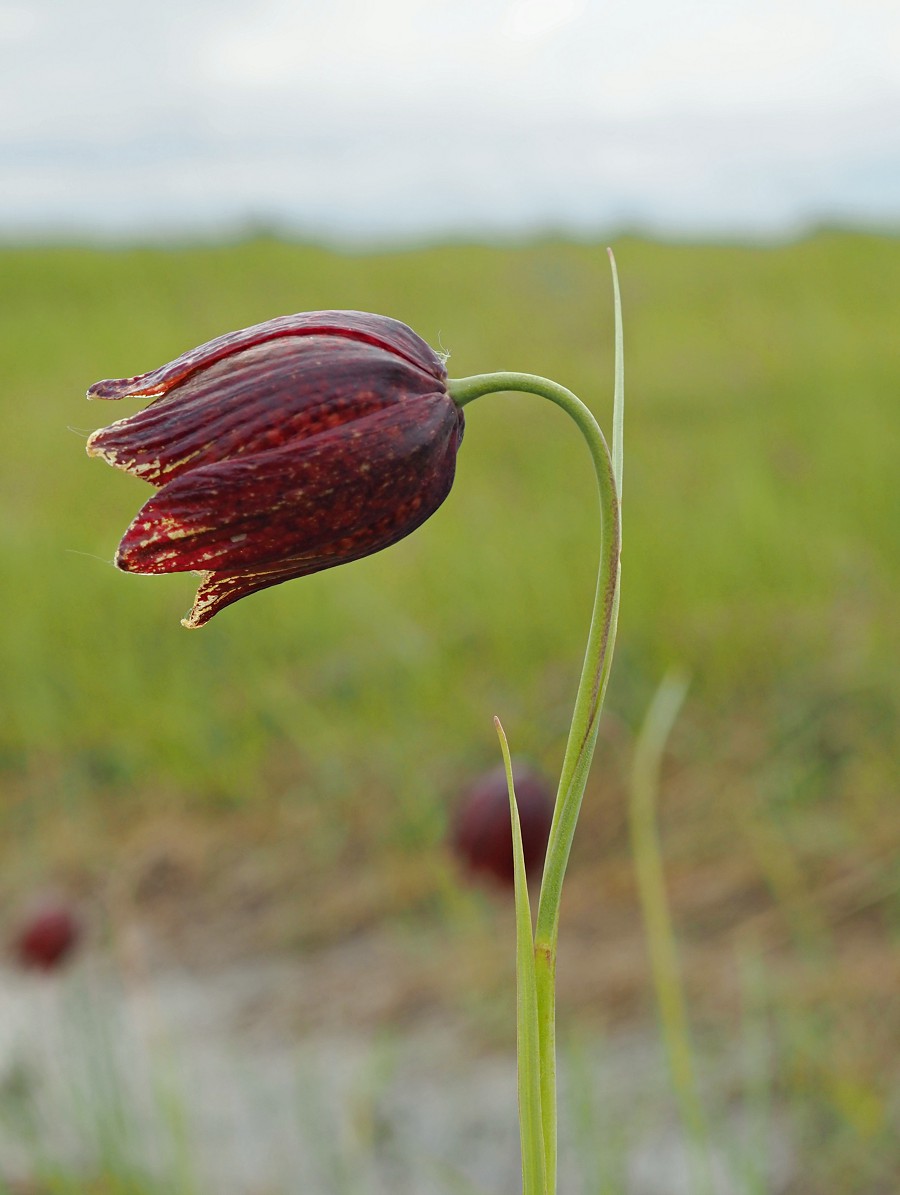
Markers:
583,731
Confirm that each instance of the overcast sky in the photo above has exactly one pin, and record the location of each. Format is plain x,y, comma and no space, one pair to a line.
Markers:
396,119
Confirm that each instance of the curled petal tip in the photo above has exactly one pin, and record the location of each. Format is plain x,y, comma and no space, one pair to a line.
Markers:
121,561
192,621
214,591
115,388
92,448
101,390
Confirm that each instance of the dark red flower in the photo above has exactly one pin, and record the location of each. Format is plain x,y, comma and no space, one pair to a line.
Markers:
281,450
482,834
47,936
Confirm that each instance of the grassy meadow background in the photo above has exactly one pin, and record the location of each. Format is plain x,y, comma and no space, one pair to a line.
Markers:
285,777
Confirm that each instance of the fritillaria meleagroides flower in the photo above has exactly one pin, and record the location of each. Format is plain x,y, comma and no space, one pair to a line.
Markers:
47,935
315,439
281,450
482,835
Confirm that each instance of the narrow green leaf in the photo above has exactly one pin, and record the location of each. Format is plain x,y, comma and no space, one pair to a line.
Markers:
534,1169
618,435
660,933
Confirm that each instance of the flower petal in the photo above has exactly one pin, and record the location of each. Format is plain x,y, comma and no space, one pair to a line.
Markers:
254,521
390,335
263,397
220,589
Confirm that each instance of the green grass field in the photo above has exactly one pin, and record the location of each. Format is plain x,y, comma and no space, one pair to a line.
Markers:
336,718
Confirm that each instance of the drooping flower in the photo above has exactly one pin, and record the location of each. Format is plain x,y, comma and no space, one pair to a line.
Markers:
281,450
482,831
47,935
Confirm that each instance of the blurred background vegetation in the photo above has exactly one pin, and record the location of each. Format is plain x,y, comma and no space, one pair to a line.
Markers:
285,778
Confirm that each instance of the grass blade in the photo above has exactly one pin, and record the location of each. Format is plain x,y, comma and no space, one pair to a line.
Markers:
618,433
651,743
534,1169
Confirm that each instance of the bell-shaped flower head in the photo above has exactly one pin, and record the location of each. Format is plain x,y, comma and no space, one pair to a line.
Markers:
281,450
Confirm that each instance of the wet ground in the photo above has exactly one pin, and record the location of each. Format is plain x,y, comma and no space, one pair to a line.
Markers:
211,1081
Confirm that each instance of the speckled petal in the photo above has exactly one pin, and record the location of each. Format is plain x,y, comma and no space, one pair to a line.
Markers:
255,521
379,330
264,397
221,589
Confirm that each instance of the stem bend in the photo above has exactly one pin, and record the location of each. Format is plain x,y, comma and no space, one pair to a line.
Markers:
585,719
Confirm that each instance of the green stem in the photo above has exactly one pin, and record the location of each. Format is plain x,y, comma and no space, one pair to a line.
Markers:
583,731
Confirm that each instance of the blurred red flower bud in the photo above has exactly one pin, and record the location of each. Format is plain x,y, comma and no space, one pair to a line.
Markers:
47,936
482,834
281,450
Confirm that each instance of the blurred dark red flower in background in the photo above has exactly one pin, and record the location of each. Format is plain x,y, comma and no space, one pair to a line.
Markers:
47,936
281,450
482,831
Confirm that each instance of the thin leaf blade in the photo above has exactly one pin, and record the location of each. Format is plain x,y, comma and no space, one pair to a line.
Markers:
534,1168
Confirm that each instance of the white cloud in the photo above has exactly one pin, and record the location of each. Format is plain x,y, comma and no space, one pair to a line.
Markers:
535,20
19,23
425,112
